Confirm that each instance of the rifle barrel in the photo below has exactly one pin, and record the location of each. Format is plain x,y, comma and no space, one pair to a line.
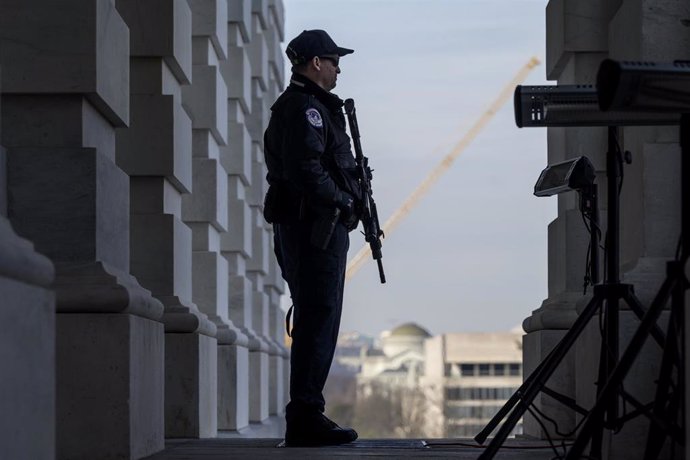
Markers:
370,219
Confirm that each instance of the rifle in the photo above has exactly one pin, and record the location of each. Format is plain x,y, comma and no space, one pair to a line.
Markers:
370,218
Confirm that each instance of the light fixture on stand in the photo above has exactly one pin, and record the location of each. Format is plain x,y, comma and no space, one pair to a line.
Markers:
578,106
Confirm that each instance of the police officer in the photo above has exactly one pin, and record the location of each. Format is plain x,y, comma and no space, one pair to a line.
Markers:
312,197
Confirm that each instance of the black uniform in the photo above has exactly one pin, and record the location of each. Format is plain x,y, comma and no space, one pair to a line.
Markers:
311,171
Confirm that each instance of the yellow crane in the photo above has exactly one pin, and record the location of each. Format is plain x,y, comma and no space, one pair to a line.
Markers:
358,260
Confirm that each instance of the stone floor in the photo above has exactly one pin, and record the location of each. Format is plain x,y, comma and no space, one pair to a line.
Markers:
264,441
270,448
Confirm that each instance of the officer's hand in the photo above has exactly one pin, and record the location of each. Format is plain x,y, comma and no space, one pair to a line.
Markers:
348,214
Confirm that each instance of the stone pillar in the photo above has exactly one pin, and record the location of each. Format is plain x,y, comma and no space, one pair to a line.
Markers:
650,204
275,286
257,269
576,43
156,151
579,35
27,340
236,244
257,266
65,90
206,209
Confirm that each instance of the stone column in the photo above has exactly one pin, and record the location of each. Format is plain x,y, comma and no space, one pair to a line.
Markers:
65,91
257,267
156,151
236,244
27,338
206,209
275,285
576,43
650,205
579,36
274,288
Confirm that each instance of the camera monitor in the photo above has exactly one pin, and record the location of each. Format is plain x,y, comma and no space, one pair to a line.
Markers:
575,105
575,174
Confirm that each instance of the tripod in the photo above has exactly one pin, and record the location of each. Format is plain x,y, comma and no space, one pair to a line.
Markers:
664,418
612,291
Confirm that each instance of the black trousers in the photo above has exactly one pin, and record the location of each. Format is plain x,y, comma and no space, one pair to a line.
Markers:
316,280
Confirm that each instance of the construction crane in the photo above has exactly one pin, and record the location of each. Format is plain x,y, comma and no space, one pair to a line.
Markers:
358,260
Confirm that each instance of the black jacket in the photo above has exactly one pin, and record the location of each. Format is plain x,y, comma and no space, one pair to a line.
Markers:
307,152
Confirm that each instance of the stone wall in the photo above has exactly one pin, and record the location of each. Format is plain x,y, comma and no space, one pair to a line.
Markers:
131,161
580,34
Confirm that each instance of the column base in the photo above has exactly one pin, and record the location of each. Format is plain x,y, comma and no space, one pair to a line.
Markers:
258,391
631,440
272,427
536,346
109,380
233,387
557,312
27,353
179,317
97,287
191,379
277,370
27,348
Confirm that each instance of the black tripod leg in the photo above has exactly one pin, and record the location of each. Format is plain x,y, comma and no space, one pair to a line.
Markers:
606,364
515,398
657,436
621,369
505,410
531,388
664,408
512,401
636,306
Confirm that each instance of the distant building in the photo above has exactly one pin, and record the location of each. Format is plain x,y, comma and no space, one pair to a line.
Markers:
472,376
398,362
459,381
348,354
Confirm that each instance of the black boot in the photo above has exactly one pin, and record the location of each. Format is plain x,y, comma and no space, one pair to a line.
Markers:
315,429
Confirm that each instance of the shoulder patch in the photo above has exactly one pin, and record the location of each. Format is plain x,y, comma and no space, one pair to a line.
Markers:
314,118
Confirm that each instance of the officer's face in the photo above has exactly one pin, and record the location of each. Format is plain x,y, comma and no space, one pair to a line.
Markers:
330,69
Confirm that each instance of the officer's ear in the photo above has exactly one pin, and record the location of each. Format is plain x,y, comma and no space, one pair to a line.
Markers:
316,62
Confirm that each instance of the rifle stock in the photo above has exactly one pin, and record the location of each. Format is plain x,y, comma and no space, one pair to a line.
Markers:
370,217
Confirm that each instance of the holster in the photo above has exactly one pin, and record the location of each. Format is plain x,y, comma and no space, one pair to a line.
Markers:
323,227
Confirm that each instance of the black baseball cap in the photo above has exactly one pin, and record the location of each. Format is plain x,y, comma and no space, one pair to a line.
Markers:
312,43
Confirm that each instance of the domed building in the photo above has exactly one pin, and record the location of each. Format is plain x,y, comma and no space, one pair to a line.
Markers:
398,362
408,336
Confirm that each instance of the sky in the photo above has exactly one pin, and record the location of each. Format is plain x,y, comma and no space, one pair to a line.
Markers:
471,256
